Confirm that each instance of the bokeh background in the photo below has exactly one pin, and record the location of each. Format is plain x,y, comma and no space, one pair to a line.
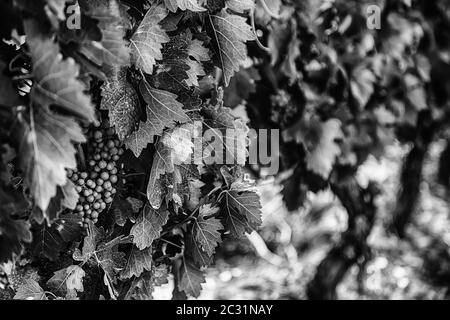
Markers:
281,259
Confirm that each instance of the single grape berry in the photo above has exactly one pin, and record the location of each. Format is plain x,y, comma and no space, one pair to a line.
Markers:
98,135
104,175
107,185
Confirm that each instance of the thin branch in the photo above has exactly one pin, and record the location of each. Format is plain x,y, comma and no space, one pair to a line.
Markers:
269,11
260,45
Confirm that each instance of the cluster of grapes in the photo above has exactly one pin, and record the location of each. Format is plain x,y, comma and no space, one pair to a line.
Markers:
283,110
96,184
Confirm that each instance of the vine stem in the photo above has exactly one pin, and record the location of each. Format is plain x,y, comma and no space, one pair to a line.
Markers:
82,156
186,220
23,77
213,190
260,45
13,60
269,11
191,216
134,174
142,193
50,293
67,277
171,243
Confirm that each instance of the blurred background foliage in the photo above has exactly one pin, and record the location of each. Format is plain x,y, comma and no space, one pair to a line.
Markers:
361,207
414,268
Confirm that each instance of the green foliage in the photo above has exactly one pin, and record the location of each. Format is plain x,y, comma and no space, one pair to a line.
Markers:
146,42
30,290
148,226
230,33
191,279
163,111
338,91
46,150
121,100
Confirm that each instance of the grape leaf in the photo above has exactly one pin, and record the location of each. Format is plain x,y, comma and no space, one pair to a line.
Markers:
203,236
50,240
46,150
122,102
192,5
162,164
319,140
146,42
195,193
55,80
218,119
173,69
241,86
295,189
30,290
195,70
149,226
67,281
47,242
70,196
289,65
321,160
240,5
124,209
362,85
136,204
69,226
196,49
163,111
191,279
96,247
415,92
242,211
174,148
137,262
142,287
207,229
230,33
197,54
66,197
194,251
404,33
178,184
58,7
160,274
284,44
262,16
278,40
112,50
95,235
180,143
12,234
103,254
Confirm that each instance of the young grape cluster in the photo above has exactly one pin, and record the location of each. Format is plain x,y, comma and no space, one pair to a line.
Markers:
283,110
96,184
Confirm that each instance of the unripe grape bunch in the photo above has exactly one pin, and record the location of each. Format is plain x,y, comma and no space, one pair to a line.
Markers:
96,183
283,110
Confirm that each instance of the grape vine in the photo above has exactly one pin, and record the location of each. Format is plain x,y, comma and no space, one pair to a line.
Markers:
97,124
